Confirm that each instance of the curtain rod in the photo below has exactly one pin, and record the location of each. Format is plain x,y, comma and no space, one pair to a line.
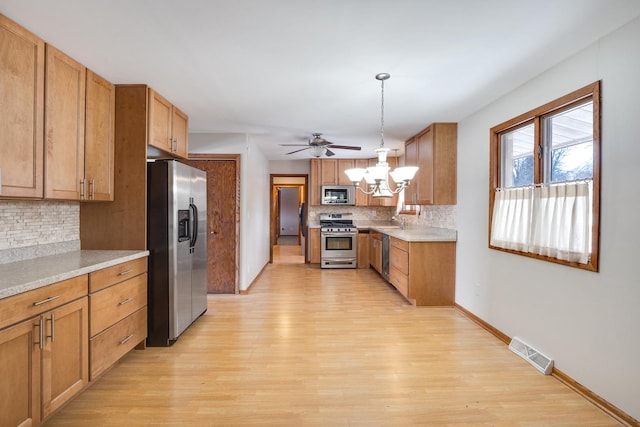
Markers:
546,184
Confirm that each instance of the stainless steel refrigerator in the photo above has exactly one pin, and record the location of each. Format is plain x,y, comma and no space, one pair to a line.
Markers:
176,238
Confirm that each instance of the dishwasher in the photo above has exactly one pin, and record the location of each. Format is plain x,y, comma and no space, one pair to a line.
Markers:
385,256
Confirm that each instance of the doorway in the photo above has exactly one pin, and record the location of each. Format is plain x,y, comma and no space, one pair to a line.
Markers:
288,218
223,219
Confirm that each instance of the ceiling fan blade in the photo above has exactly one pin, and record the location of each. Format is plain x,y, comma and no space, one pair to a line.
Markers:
302,149
346,147
329,153
294,145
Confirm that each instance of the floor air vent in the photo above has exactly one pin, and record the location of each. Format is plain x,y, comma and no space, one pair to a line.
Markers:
541,362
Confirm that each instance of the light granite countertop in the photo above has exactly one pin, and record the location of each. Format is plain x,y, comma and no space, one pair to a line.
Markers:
426,234
23,276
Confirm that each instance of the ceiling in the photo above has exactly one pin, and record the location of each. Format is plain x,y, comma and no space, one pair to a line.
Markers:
279,70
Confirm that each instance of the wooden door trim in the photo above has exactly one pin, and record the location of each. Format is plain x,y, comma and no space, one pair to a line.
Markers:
273,210
236,158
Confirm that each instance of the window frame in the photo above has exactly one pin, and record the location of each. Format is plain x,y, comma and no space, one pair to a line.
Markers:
536,116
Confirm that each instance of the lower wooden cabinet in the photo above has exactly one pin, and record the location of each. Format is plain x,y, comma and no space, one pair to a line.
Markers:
375,256
314,245
46,356
116,341
423,272
118,307
363,249
65,354
45,359
20,375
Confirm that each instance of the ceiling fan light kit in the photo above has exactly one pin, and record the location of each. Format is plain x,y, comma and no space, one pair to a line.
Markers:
377,177
319,146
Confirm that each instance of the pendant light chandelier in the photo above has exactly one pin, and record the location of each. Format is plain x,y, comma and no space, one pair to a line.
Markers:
377,177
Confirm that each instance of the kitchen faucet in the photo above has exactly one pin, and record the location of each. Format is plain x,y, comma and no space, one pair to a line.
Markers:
401,220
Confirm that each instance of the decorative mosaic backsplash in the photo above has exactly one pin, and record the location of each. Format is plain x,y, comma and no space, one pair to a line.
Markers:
373,213
443,216
430,216
35,228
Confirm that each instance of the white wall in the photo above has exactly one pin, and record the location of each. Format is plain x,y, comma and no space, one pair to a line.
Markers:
254,197
588,322
293,167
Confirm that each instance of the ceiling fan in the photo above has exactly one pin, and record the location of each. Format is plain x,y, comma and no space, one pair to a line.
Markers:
320,146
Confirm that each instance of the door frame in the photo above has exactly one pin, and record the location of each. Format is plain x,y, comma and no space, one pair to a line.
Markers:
236,158
274,203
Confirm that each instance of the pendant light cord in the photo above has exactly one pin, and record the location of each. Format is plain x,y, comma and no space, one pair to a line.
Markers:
382,114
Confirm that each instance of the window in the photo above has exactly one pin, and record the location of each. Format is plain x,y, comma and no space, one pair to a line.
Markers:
544,193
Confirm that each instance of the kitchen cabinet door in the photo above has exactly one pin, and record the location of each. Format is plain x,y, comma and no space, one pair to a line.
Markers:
160,119
180,133
314,182
65,354
424,177
329,172
364,250
99,138
343,165
20,374
22,64
375,257
362,199
314,246
411,159
434,150
64,127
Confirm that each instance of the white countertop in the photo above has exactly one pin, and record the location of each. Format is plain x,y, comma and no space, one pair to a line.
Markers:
22,276
427,234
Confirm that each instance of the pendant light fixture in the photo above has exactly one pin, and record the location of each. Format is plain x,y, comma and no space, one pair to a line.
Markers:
377,177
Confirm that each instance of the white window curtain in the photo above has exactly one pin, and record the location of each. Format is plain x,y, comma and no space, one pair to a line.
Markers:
511,222
552,220
561,221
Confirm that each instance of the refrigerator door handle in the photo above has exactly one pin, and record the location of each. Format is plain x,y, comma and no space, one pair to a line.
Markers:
194,228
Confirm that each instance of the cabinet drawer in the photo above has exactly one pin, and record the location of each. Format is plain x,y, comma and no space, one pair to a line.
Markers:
109,346
399,280
400,244
117,302
399,260
28,304
110,276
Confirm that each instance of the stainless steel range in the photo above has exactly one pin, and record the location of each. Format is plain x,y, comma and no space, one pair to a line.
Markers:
339,241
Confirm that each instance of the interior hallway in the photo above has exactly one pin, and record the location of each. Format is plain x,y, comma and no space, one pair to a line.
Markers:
312,347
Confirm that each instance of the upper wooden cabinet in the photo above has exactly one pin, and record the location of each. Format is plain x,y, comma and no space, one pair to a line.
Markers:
331,172
168,126
58,139
99,138
116,225
65,82
434,150
362,199
22,65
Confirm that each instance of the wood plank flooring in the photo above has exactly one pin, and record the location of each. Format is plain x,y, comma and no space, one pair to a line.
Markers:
312,347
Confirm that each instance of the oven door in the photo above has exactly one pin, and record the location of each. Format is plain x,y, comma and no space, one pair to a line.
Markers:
338,249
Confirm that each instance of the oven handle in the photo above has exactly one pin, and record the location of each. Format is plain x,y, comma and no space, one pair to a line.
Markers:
337,234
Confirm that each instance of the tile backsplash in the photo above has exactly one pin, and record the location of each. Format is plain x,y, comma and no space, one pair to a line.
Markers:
35,228
442,216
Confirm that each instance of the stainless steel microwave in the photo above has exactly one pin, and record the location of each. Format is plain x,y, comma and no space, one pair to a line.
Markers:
344,195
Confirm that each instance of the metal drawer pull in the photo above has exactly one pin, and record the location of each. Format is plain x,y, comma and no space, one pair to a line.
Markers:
125,339
41,334
44,301
124,301
53,328
122,273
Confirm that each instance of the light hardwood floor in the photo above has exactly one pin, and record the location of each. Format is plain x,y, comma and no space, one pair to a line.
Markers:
311,347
